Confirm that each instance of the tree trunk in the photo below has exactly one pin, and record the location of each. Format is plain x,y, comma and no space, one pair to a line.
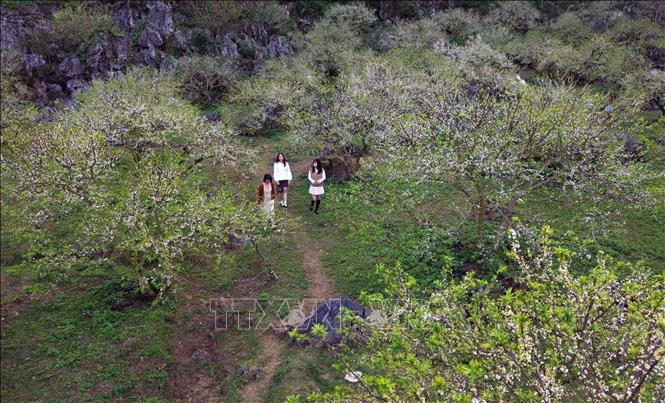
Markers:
658,104
481,208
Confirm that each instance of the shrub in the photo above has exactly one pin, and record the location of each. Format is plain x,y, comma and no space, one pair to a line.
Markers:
518,15
460,25
203,79
14,89
75,24
228,16
119,176
355,16
546,335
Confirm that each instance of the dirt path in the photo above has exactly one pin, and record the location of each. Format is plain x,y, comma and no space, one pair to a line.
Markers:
189,382
319,286
272,348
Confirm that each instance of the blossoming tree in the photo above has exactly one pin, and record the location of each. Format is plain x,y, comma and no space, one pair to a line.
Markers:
120,174
550,336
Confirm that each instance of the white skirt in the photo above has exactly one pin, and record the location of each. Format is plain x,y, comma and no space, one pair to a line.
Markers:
316,190
268,205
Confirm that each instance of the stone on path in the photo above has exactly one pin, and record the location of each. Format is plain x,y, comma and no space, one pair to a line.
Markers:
328,315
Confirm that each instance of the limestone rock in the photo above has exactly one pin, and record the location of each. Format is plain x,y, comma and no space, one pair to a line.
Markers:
71,67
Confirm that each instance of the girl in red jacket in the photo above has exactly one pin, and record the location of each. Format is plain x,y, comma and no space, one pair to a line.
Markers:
267,194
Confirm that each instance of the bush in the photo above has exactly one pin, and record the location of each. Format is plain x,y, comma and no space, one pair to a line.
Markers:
357,17
518,15
203,79
460,25
545,335
75,24
119,176
14,89
228,16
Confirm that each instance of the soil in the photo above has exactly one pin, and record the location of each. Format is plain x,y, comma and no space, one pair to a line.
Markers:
190,382
271,357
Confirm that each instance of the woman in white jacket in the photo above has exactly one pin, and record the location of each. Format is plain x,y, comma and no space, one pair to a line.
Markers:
316,177
281,171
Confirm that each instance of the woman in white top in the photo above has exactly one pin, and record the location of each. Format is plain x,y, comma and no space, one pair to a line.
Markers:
281,171
316,177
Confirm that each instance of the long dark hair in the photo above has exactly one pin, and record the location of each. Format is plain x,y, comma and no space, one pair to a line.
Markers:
318,166
267,177
283,156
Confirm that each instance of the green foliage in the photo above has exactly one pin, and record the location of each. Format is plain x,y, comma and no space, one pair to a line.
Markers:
14,104
74,24
246,50
74,344
553,336
228,16
297,336
319,331
517,15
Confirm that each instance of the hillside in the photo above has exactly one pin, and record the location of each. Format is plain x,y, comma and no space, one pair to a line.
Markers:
490,227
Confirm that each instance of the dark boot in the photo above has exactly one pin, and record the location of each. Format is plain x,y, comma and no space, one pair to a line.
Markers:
318,203
311,206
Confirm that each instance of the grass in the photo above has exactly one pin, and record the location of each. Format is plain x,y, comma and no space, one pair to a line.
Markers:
304,370
69,345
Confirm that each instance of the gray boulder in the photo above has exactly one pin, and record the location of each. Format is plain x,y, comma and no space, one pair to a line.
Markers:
277,47
75,86
54,91
126,18
160,17
600,24
31,62
152,56
328,315
212,117
71,67
228,48
150,37
9,34
181,40
656,54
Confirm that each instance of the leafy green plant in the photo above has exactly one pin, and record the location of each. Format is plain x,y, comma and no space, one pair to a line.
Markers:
74,24
297,336
549,335
246,49
319,331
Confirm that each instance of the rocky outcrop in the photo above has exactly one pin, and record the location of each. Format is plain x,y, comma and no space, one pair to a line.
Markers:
71,67
152,56
107,56
228,48
150,37
262,44
212,117
9,36
126,18
75,86
656,55
147,32
31,62
160,17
